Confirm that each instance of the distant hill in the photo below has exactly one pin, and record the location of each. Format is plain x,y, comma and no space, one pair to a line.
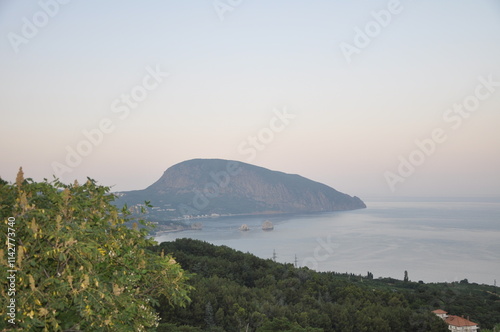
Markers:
221,187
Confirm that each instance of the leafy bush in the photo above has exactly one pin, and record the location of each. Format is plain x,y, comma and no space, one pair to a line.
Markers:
79,268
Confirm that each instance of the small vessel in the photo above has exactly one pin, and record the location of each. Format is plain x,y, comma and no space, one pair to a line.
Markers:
244,228
267,226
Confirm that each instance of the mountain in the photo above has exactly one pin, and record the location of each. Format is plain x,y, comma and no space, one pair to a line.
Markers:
215,186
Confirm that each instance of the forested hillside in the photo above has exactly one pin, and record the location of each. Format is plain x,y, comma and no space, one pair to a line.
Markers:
235,291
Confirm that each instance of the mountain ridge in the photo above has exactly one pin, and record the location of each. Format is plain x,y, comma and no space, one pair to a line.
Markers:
226,187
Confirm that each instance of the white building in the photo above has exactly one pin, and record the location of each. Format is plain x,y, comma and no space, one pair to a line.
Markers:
440,313
456,323
460,324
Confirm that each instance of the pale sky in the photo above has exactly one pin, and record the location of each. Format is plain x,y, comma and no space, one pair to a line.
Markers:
337,91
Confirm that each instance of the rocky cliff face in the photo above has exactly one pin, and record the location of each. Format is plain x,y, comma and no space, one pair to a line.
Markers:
215,186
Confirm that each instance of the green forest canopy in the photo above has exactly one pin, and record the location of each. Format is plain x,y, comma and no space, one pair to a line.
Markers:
235,290
77,266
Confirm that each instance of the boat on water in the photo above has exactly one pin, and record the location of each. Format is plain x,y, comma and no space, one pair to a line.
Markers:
267,226
244,228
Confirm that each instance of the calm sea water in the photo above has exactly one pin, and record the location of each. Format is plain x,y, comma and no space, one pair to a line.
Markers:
434,240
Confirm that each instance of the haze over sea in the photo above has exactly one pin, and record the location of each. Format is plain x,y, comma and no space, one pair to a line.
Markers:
435,240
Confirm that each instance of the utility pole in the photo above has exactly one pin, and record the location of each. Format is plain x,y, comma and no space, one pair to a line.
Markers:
274,255
295,260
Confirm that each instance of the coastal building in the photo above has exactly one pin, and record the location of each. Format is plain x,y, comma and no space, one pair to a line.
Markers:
456,323
440,313
460,324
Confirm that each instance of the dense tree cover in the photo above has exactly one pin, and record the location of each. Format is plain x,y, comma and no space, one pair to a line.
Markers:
240,292
481,303
74,265
496,328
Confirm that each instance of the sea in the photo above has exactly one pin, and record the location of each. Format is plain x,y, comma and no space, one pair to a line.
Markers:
433,239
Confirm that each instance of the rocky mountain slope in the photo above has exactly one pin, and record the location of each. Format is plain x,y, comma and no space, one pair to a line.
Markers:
215,186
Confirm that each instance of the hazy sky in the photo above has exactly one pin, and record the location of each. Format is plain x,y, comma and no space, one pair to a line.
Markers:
369,97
